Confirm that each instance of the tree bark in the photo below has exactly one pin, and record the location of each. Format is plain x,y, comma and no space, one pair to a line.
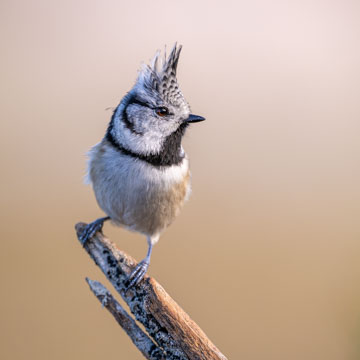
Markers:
175,336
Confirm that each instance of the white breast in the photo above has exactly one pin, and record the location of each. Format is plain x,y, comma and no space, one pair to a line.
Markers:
136,194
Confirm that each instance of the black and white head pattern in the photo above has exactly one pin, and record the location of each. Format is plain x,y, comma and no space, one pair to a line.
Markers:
150,121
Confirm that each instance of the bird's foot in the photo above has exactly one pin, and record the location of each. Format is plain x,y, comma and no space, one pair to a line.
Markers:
138,274
91,229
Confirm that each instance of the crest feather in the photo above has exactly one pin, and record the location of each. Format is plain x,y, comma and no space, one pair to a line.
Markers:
160,75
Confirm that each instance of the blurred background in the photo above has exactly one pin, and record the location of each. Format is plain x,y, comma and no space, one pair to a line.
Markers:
265,255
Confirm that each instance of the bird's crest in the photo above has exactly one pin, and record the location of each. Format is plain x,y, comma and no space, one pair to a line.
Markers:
160,76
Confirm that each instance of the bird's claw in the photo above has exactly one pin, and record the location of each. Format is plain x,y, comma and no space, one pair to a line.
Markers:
90,230
138,274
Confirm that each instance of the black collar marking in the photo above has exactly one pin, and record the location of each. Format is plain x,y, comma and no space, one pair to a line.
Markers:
170,153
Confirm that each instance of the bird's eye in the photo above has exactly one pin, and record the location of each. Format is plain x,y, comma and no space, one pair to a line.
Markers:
162,111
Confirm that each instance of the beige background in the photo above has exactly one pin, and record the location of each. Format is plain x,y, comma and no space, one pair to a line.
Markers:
265,256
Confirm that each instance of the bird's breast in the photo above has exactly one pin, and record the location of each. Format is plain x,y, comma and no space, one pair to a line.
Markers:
135,194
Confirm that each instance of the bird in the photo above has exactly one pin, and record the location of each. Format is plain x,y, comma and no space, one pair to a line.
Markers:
139,171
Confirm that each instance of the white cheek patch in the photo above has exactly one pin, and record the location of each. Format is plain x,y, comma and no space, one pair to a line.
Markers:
148,142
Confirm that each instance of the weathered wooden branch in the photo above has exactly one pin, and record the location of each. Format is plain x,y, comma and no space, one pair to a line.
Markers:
138,337
175,335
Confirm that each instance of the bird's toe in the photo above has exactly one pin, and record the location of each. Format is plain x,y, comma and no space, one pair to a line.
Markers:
138,274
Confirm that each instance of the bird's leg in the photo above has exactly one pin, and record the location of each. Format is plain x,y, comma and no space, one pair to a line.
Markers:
139,272
92,228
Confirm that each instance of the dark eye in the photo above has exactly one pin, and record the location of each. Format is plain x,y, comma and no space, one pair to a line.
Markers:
162,111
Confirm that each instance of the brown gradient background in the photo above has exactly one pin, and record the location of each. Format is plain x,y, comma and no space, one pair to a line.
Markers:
265,256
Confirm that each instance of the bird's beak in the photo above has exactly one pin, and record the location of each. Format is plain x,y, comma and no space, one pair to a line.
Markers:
194,118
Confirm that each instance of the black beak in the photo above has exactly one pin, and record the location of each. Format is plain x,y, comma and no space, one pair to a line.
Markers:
194,118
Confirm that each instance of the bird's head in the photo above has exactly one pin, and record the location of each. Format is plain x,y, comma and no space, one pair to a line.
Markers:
154,113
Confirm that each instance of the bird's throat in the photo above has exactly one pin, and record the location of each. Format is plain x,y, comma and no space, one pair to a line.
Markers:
169,154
